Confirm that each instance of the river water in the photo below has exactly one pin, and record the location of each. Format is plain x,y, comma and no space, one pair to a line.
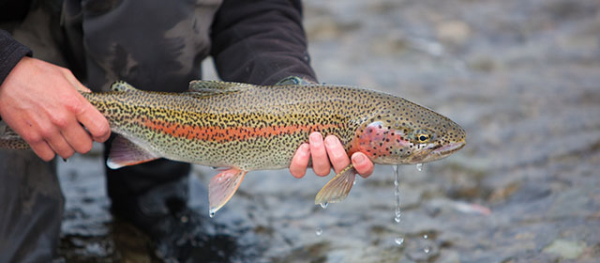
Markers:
522,77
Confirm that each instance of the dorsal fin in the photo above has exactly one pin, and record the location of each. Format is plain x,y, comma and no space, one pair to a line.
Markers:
122,86
215,86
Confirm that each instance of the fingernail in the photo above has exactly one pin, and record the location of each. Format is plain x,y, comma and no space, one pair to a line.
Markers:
315,137
304,147
359,159
329,140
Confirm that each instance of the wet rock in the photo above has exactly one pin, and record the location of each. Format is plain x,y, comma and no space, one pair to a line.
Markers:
454,32
566,249
529,192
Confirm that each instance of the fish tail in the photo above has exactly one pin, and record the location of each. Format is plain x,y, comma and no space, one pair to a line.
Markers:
9,139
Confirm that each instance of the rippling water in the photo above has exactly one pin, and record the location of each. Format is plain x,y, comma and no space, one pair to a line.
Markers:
522,77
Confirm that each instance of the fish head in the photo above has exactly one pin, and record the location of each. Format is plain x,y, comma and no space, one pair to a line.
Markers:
408,134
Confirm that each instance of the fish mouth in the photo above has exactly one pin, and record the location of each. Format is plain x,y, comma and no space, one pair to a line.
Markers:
448,149
437,152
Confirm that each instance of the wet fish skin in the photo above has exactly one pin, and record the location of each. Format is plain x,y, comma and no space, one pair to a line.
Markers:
246,127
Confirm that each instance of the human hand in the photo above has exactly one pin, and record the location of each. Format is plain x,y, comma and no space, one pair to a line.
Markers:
324,151
40,102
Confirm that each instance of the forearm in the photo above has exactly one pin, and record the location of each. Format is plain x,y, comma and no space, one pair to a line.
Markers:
260,42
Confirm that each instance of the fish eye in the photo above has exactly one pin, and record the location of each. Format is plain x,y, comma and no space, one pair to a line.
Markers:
423,136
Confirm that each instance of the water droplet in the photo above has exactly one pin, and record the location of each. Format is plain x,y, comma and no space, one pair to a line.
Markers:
324,205
319,231
399,241
426,250
425,236
420,167
355,180
397,211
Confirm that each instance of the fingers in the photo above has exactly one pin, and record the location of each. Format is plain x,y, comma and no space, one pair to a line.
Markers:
93,121
362,164
336,152
77,137
300,161
45,139
326,153
39,101
60,146
320,162
42,149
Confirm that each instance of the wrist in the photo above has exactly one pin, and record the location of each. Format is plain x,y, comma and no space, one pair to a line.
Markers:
11,53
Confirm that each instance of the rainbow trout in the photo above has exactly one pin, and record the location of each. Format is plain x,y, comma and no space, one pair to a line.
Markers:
242,127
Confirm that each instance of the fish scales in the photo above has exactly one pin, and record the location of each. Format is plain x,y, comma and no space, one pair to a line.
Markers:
245,127
241,129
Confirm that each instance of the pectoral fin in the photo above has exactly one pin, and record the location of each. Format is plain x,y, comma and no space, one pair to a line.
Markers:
222,187
337,189
123,152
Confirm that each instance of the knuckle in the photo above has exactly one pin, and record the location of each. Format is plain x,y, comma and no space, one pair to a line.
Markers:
60,121
46,133
338,157
76,106
32,138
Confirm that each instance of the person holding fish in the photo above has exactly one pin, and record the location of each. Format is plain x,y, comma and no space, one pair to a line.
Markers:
154,45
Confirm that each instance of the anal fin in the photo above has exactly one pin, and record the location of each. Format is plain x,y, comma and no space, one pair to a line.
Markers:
338,188
222,187
124,152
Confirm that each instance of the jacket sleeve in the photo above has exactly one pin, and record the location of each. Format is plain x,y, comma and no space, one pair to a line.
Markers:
260,42
11,52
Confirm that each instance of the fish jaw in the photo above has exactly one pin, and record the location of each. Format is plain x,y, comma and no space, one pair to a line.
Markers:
448,149
437,152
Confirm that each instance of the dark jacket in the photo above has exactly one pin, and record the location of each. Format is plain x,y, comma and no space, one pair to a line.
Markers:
257,42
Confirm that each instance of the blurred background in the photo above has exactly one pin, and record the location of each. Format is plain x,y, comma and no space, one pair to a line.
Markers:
521,76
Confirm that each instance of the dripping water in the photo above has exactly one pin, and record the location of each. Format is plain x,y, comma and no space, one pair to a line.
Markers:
399,241
319,231
427,248
420,167
397,213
